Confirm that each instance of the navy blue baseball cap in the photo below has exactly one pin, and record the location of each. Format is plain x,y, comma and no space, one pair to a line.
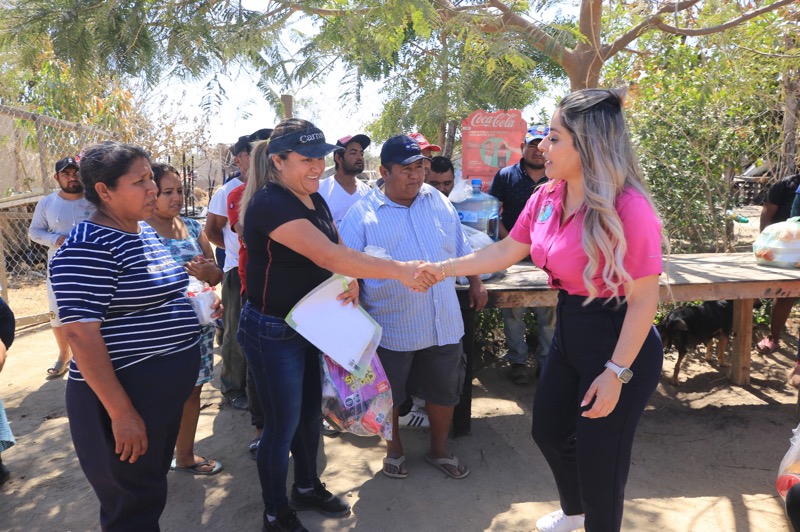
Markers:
536,133
309,142
401,149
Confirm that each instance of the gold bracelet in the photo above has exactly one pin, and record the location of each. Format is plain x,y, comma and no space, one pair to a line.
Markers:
441,265
452,266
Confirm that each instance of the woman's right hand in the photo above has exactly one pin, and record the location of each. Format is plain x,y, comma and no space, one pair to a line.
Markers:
130,436
417,282
204,269
431,270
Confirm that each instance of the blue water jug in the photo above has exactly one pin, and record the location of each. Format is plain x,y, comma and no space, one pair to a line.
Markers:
481,211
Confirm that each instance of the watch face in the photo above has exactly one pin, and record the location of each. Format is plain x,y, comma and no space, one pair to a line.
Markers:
625,375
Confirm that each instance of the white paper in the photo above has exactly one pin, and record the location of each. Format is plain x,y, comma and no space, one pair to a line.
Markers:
345,333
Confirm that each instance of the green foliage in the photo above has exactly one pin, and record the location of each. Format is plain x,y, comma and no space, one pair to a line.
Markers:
435,70
701,110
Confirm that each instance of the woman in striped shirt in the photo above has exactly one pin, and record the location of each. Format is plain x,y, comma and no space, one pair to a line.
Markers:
134,337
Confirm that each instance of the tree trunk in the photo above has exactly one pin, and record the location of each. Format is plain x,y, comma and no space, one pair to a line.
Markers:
450,139
791,85
583,69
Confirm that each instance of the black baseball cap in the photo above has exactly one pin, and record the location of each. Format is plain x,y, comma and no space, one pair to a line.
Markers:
261,134
401,149
66,162
364,140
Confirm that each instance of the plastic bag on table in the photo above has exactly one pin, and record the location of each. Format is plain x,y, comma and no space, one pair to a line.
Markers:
779,244
360,406
462,190
477,240
789,470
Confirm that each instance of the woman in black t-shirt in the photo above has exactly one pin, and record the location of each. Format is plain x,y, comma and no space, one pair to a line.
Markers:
293,246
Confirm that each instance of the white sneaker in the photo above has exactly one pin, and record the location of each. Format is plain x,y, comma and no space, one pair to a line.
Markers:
417,418
558,522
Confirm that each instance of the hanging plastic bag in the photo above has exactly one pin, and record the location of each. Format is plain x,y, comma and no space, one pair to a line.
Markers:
201,296
789,470
361,406
779,244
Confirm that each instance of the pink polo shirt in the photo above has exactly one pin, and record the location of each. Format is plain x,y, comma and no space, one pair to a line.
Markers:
557,249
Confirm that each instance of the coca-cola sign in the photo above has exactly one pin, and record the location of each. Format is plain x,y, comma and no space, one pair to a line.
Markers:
491,141
496,120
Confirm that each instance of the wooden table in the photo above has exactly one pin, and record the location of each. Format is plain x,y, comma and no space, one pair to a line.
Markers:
702,276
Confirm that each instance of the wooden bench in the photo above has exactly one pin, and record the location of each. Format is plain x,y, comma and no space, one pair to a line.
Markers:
692,277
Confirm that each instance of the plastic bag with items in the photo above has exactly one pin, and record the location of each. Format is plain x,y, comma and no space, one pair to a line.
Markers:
360,406
201,296
789,470
779,244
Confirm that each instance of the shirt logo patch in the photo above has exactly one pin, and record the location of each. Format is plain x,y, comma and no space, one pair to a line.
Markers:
545,212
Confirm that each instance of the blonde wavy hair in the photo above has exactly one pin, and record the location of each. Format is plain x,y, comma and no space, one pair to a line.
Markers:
595,120
262,168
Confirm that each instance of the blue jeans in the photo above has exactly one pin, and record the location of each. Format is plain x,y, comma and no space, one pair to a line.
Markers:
285,368
514,328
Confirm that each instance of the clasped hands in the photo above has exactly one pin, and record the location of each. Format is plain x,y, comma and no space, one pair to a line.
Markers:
420,275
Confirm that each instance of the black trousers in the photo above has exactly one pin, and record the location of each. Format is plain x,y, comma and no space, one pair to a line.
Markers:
590,458
793,506
132,496
7,324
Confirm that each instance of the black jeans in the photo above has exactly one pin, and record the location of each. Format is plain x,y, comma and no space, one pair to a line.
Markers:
590,458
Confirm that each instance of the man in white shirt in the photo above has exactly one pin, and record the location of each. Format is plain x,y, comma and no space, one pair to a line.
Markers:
343,189
53,219
233,375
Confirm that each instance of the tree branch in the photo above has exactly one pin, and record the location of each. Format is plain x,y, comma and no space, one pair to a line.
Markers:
538,38
660,24
643,27
299,6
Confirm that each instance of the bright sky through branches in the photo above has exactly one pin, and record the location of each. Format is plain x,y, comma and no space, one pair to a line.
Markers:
244,109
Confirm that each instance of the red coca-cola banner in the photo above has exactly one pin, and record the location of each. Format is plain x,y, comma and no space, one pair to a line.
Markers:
490,141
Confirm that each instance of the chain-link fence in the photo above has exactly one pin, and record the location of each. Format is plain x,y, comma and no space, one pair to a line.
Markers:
30,144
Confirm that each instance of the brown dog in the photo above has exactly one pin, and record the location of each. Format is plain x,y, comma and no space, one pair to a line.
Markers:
688,326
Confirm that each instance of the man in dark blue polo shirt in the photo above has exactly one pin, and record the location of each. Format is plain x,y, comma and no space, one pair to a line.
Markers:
512,186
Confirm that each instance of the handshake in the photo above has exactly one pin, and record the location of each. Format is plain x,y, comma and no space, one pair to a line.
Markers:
419,275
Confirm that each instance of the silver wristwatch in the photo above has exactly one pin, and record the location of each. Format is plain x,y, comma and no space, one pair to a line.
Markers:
623,374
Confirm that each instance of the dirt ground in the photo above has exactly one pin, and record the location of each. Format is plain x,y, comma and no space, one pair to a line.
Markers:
705,459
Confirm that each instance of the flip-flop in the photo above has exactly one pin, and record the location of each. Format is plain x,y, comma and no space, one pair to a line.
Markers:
396,463
440,463
195,469
767,345
57,370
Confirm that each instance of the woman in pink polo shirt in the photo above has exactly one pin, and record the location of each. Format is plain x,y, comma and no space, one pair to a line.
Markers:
595,231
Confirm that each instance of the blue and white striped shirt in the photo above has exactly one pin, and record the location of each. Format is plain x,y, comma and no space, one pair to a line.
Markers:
428,230
129,282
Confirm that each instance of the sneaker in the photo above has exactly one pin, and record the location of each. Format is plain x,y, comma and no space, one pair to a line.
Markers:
328,430
287,522
240,403
519,374
320,500
252,449
559,522
417,418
